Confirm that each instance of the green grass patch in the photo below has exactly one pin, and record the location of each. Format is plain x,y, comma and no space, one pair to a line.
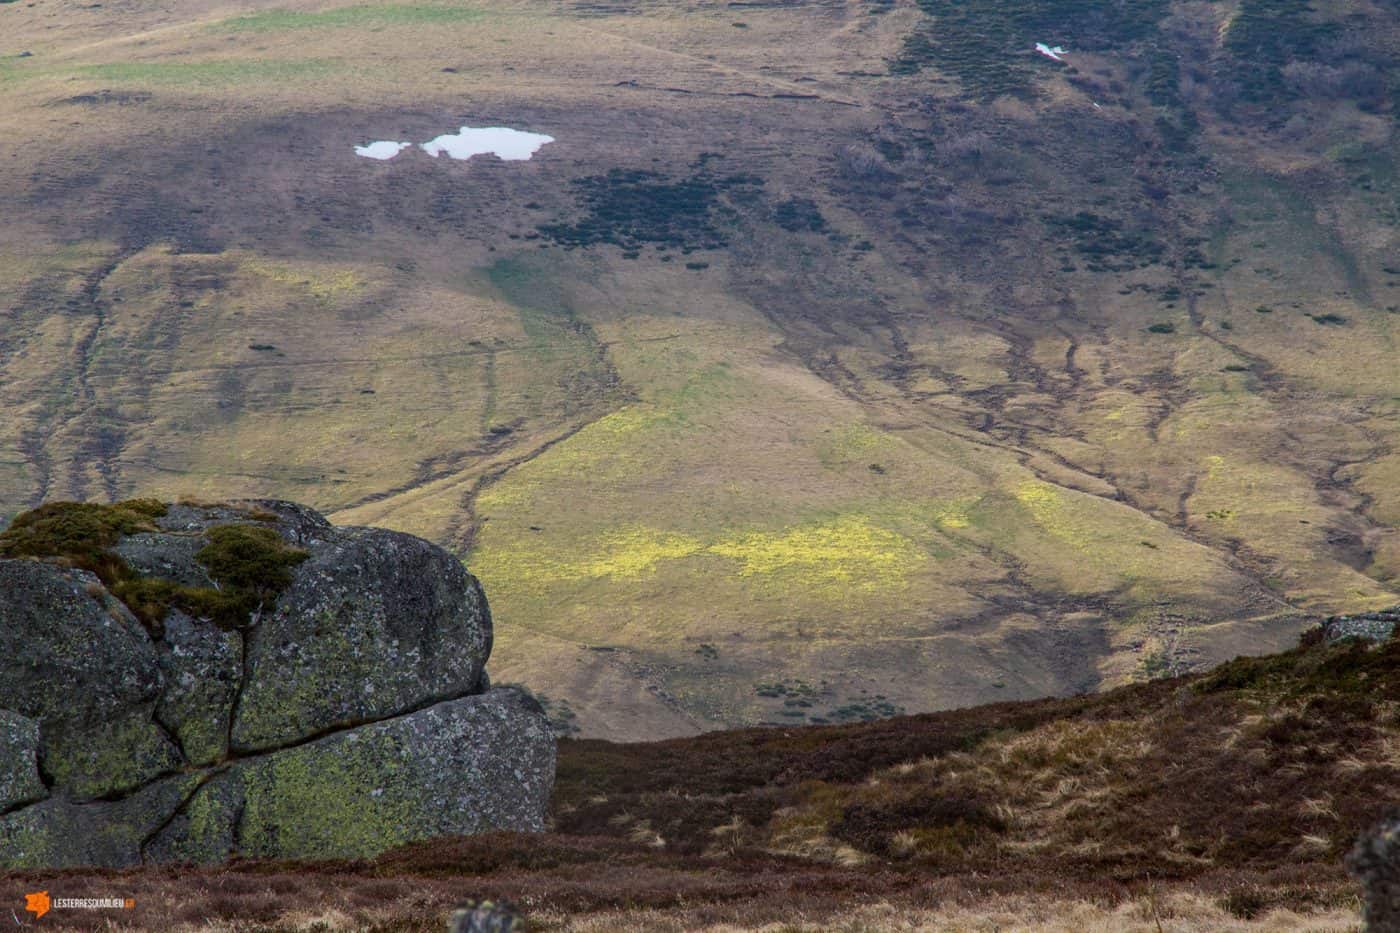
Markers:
369,15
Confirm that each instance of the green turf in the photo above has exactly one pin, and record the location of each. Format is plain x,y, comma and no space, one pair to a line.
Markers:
368,16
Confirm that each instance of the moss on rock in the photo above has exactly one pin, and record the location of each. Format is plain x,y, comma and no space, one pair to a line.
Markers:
58,833
95,758
470,765
248,563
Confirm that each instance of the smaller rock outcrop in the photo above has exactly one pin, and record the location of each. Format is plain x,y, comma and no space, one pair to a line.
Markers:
486,917
1366,626
1375,862
195,681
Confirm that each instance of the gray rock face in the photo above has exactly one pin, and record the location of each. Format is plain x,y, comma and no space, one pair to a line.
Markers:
375,623
350,715
166,555
62,833
204,829
79,663
203,667
19,761
462,766
1366,626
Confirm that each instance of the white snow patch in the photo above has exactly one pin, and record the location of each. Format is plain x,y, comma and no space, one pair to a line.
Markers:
1046,50
507,144
383,149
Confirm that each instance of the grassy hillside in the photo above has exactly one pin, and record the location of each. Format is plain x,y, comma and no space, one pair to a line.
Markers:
837,360
1221,801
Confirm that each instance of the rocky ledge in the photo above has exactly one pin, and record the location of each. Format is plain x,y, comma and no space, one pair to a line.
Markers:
1366,626
196,681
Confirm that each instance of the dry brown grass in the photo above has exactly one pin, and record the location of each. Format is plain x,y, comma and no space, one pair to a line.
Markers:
1222,801
1175,912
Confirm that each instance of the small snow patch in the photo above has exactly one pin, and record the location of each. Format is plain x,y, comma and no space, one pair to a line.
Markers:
1049,52
384,149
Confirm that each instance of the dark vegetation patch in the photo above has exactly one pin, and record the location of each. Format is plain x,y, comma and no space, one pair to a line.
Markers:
1104,243
797,215
249,563
631,208
821,704
1163,82
989,45
865,710
948,823
1264,36
80,532
1349,668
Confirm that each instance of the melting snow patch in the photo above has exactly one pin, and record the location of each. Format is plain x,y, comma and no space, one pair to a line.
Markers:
384,149
505,143
1046,50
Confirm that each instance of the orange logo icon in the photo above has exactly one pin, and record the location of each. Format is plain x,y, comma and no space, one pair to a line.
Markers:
37,904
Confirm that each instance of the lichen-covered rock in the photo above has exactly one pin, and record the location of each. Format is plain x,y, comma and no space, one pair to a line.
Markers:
19,761
290,689
168,555
204,831
79,663
61,833
375,623
463,766
203,666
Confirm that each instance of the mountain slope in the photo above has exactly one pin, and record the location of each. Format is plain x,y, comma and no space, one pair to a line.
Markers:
1223,801
837,359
